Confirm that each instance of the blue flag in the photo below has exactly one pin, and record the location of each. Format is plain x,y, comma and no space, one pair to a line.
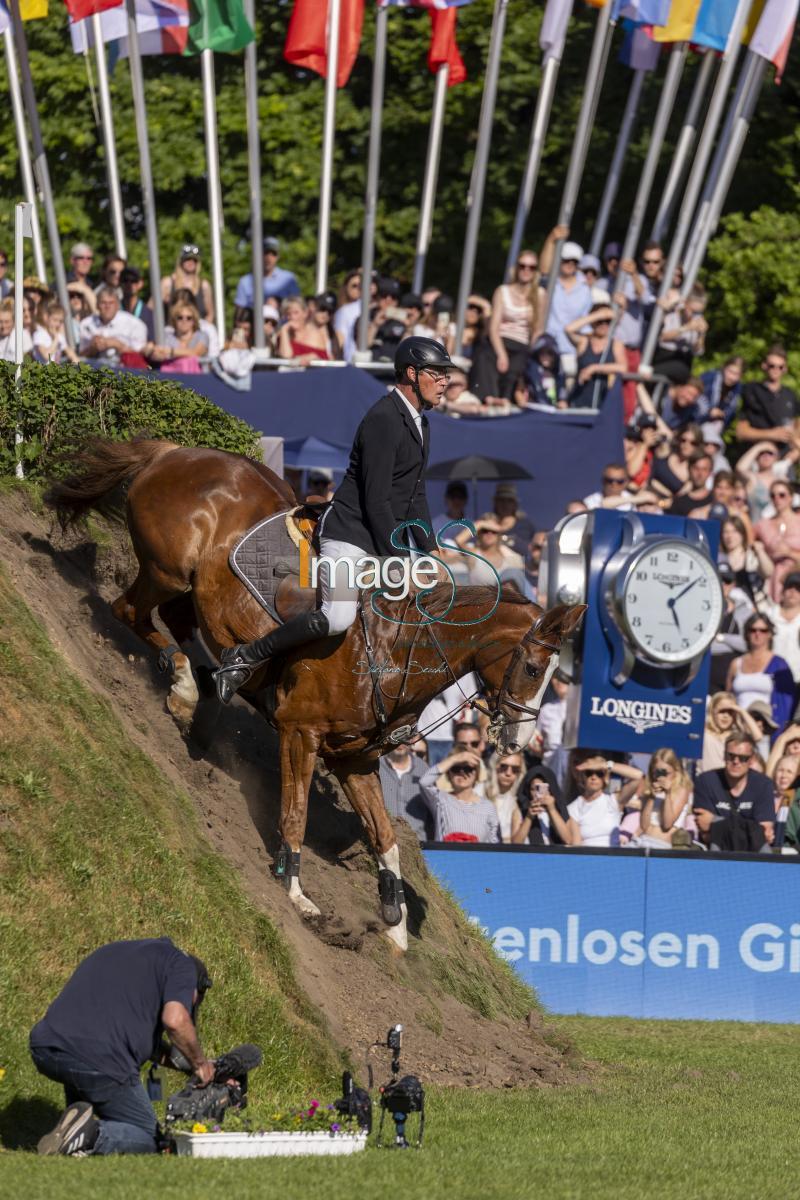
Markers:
714,22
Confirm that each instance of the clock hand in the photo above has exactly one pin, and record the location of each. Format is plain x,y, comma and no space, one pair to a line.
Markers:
688,588
671,607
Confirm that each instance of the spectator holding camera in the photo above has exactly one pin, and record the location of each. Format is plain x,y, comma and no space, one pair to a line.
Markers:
461,814
666,798
544,816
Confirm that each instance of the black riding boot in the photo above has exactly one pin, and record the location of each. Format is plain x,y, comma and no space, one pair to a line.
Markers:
239,662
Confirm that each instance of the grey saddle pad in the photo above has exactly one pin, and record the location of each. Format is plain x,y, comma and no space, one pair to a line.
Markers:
263,558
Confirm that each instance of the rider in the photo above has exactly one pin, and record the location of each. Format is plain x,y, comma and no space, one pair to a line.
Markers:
382,487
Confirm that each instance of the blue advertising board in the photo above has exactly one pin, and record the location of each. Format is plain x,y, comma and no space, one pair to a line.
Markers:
629,933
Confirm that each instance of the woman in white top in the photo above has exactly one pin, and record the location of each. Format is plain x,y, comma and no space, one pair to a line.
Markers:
666,796
594,817
501,788
516,321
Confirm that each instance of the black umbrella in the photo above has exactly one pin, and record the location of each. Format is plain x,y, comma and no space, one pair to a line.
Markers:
474,467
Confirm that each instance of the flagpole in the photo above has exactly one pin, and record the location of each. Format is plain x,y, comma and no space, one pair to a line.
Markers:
683,147
431,175
583,132
478,180
541,120
145,170
214,193
373,168
109,142
751,81
749,73
40,166
23,227
617,162
25,169
328,136
696,175
254,174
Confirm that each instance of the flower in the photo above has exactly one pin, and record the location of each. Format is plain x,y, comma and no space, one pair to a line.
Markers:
2,1074
198,1128
335,1127
217,1129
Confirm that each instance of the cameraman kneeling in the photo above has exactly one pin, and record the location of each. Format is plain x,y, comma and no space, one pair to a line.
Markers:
103,1027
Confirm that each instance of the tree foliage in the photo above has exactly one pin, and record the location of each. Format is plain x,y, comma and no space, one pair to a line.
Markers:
290,111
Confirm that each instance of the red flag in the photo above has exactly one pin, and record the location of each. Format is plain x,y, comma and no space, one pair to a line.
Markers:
443,47
306,44
80,9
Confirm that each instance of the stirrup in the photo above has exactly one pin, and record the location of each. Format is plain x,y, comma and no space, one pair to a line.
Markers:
229,677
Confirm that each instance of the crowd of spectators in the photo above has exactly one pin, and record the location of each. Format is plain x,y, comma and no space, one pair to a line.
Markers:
720,444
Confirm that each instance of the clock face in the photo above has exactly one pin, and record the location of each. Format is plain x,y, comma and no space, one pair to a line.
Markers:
671,601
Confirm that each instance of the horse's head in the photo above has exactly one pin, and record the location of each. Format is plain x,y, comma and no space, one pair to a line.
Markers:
518,684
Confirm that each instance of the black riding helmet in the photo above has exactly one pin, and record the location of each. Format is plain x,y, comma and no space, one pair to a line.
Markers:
420,352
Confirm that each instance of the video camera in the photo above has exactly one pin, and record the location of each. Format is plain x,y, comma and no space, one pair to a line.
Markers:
401,1096
227,1090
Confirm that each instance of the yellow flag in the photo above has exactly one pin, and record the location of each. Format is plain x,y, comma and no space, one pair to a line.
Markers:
752,21
32,10
680,23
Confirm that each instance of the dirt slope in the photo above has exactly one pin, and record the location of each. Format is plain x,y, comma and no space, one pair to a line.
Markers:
468,1020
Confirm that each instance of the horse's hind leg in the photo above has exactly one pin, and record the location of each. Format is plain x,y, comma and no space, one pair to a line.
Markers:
179,617
134,608
298,755
364,792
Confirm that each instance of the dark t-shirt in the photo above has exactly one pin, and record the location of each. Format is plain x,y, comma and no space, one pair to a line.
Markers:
767,410
109,1013
683,505
756,803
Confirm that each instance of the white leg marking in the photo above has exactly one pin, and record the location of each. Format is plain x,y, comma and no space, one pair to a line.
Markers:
390,861
183,683
300,901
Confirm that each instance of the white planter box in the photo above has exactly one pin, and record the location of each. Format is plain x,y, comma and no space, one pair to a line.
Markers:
261,1145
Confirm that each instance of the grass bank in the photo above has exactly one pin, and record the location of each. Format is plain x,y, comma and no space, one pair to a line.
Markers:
675,1111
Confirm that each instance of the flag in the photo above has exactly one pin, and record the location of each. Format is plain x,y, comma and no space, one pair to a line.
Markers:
639,51
218,25
5,19
32,10
306,39
161,24
444,48
79,9
680,23
643,12
553,32
773,34
441,4
713,24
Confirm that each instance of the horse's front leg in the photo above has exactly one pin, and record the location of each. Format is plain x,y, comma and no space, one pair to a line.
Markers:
298,754
363,790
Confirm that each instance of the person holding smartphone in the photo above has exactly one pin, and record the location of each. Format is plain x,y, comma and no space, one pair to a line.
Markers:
544,813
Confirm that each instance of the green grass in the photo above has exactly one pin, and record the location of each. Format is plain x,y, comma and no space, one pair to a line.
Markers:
683,1110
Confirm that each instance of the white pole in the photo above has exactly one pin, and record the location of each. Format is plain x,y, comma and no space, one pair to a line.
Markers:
431,175
373,169
478,181
683,147
753,73
697,175
254,172
541,120
145,170
328,136
25,169
23,227
583,132
214,195
109,141
40,166
617,162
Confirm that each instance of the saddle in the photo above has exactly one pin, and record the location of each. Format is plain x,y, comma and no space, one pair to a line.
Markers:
273,561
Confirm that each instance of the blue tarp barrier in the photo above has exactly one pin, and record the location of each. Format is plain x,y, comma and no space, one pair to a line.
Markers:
564,451
621,933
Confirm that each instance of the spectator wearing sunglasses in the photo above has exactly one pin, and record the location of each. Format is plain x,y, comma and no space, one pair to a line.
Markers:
600,357
735,788
769,409
780,535
760,674
614,492
81,258
504,776
595,815
461,814
187,274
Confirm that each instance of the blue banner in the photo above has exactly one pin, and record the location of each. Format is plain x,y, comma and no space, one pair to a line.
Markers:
706,937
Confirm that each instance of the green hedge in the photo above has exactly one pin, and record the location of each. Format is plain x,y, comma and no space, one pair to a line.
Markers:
59,407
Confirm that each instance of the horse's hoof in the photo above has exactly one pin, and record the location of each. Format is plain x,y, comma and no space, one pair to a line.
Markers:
306,907
398,936
181,711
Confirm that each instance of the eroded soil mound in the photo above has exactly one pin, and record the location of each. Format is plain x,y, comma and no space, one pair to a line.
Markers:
468,1019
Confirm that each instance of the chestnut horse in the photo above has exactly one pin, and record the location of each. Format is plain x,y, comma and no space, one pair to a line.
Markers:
186,509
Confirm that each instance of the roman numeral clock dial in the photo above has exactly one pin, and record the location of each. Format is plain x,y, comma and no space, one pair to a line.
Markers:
670,602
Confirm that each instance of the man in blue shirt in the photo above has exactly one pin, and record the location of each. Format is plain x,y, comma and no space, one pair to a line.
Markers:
105,1024
278,283
734,788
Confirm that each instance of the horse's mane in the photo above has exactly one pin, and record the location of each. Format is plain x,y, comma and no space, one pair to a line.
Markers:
471,595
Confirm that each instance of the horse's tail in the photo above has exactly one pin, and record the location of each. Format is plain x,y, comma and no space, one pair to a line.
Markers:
97,471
